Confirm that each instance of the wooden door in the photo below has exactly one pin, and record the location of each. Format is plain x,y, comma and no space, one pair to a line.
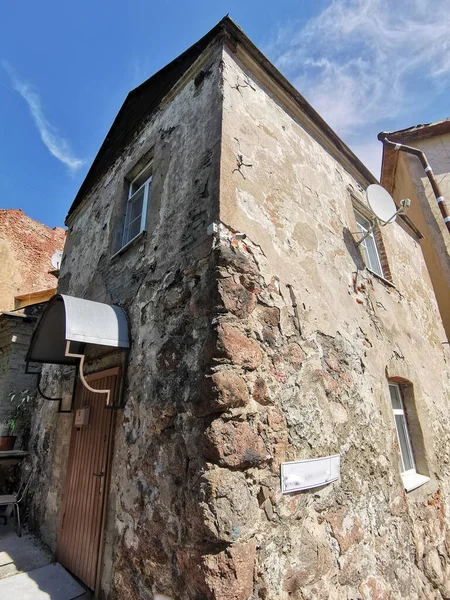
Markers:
79,546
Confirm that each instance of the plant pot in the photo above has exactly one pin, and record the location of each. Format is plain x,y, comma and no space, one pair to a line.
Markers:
7,442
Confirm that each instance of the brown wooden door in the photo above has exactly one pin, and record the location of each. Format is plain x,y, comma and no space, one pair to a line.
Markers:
79,545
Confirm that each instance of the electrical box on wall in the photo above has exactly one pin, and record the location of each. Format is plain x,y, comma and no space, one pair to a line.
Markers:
82,416
307,474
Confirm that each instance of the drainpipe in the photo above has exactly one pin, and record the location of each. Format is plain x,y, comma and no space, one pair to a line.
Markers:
428,170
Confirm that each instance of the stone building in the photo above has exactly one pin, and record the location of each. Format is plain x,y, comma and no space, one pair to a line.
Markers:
27,280
220,215
403,176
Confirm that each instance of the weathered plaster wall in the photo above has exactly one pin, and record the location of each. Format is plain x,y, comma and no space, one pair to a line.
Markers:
411,182
317,384
26,248
165,282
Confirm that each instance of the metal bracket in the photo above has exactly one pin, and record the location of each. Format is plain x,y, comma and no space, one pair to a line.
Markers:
368,232
405,204
38,383
41,393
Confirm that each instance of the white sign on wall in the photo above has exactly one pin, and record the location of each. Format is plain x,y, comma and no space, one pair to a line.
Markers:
307,474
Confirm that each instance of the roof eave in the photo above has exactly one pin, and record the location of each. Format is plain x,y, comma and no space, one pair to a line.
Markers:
407,136
226,28
420,132
96,170
342,149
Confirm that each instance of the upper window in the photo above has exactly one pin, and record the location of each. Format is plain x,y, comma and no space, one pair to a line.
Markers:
411,479
369,245
137,205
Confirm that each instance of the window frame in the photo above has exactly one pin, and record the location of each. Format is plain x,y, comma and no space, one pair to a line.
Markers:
132,195
410,477
363,245
401,412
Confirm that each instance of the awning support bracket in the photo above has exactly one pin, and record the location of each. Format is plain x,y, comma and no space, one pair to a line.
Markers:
81,374
41,393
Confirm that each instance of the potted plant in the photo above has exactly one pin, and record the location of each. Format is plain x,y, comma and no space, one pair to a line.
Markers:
21,408
8,439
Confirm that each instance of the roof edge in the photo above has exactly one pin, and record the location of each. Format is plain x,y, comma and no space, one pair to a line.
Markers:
420,132
226,28
340,146
195,50
408,135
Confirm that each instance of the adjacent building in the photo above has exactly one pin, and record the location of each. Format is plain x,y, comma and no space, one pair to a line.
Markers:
26,248
403,176
219,320
27,280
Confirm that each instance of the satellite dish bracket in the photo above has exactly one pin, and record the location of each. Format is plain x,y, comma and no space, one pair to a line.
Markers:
368,232
404,205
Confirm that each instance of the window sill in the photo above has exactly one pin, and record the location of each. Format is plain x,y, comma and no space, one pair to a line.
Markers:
412,480
136,238
381,278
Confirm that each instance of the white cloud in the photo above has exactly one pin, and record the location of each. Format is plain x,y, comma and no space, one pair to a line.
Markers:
367,61
55,143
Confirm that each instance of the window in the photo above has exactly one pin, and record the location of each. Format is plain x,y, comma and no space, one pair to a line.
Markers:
411,479
369,245
137,205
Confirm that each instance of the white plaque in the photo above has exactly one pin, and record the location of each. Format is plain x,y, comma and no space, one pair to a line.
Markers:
307,474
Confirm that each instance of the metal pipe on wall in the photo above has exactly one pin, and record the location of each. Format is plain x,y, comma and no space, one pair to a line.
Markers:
383,137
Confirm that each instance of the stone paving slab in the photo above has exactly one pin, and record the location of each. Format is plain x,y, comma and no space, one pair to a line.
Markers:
28,570
18,554
51,582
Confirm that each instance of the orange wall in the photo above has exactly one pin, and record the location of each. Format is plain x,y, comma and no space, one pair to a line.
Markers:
26,248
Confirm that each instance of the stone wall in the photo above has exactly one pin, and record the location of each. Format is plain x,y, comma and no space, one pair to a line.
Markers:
321,336
165,282
26,248
264,343
48,453
15,335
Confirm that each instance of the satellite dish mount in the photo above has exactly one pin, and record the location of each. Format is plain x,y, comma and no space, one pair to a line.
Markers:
383,207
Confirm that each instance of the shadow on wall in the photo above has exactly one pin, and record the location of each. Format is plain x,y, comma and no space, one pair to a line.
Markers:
352,248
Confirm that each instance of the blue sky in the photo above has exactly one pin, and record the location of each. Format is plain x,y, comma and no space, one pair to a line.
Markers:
65,69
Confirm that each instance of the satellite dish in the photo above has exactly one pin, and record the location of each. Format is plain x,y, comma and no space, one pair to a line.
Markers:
381,203
56,260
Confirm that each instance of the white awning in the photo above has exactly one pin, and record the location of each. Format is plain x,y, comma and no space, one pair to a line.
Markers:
69,319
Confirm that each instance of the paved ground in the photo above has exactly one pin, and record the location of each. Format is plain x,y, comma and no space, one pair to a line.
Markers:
28,572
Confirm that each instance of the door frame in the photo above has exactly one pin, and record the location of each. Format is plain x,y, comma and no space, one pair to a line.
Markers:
114,371
109,457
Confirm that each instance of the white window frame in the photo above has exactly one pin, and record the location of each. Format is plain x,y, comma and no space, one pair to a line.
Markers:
374,268
411,479
131,195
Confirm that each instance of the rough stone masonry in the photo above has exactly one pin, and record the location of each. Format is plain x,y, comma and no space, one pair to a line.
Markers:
264,342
